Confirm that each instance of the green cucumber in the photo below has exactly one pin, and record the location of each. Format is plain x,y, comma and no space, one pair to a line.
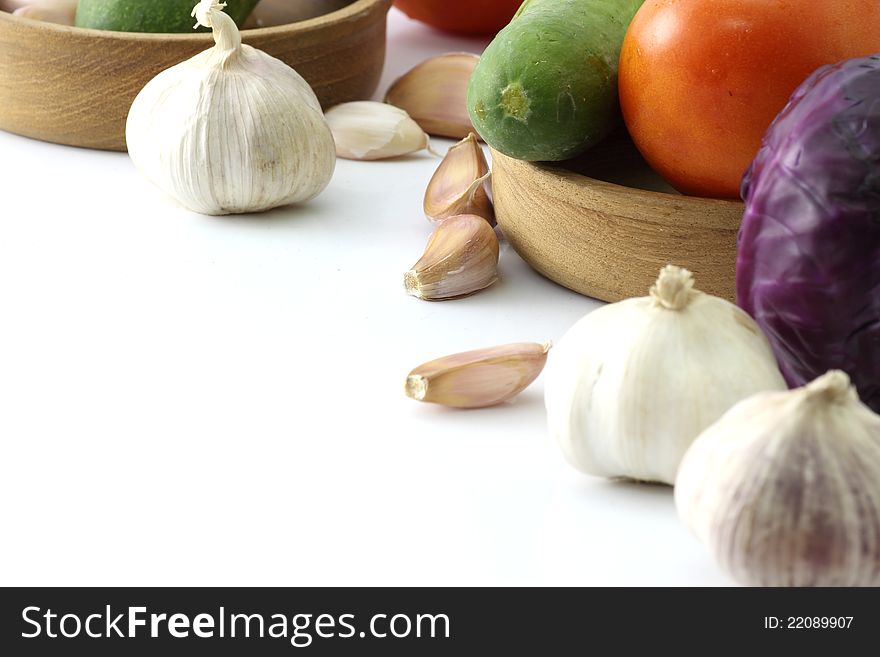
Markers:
152,16
546,87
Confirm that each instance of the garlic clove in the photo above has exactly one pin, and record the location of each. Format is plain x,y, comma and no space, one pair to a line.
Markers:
461,258
367,130
62,12
461,184
479,378
784,489
271,13
434,93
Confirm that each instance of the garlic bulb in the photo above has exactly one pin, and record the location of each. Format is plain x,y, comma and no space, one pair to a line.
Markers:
632,384
785,488
231,130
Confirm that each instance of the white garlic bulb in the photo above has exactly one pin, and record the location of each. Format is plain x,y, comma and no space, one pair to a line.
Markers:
231,130
632,384
785,488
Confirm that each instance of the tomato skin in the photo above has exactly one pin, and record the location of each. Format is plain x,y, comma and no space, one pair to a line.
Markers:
701,80
461,16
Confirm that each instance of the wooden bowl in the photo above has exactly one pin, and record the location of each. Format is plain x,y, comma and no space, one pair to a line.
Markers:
604,224
74,86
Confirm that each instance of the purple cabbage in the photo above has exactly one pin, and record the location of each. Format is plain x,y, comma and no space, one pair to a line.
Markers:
808,268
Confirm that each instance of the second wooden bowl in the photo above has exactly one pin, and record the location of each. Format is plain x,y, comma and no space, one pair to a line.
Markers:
604,224
74,86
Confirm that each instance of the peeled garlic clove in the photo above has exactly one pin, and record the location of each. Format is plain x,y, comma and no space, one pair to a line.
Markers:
785,488
632,384
461,184
479,378
62,12
366,130
434,93
461,258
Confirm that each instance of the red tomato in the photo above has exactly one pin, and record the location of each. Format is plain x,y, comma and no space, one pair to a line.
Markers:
462,16
701,80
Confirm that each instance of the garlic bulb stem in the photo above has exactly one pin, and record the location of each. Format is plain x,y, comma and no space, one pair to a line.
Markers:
209,13
834,386
674,288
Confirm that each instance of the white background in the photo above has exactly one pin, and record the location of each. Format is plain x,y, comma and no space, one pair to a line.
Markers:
187,400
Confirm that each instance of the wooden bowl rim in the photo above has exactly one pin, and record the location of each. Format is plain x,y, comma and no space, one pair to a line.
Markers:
333,17
574,182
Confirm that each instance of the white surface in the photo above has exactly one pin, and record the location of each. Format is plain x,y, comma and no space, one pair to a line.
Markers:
187,400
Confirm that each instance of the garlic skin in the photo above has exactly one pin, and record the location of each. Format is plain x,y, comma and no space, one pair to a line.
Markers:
232,130
367,130
632,384
785,488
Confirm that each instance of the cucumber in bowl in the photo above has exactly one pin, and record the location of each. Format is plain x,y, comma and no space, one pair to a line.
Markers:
546,87
154,16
